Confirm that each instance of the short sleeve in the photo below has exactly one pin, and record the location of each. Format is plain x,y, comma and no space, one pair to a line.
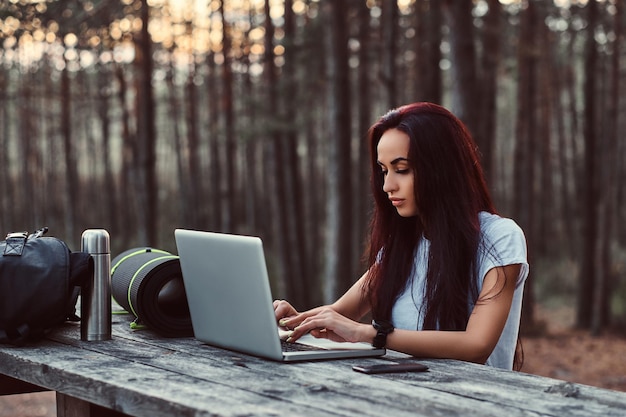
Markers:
503,243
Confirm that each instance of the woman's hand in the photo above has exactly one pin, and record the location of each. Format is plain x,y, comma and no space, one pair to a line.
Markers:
337,322
282,310
325,322
288,317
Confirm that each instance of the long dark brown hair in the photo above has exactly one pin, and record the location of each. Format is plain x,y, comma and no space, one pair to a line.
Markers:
450,191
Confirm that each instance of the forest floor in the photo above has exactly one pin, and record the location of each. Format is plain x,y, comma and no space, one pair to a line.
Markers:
571,355
557,352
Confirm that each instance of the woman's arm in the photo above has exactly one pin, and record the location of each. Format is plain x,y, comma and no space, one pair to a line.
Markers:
351,305
474,344
483,330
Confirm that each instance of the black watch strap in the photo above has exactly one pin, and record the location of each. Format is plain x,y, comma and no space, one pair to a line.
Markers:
383,328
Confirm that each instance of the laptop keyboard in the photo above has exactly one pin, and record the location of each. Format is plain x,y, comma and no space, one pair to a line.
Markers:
298,347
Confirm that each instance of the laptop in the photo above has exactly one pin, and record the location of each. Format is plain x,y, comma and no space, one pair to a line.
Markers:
230,301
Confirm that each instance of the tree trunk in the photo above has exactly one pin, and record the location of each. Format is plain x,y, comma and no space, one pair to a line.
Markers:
465,95
129,221
180,148
620,155
524,168
607,211
252,171
313,96
111,189
55,178
72,189
488,84
5,188
544,205
231,218
146,135
214,190
389,25
274,157
196,196
362,191
429,21
338,208
565,157
300,265
590,232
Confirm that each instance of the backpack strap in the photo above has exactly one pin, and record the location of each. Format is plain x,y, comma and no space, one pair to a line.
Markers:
15,243
71,305
19,336
23,332
81,272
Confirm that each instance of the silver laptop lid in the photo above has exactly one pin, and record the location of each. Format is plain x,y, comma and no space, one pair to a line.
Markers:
217,269
230,300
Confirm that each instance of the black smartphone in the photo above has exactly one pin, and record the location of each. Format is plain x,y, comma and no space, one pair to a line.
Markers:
383,368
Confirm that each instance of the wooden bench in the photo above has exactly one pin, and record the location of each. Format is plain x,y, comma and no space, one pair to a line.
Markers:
138,373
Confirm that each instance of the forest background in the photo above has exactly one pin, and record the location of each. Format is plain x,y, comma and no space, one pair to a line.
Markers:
250,116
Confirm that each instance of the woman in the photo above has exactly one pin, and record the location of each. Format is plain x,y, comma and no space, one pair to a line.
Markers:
447,273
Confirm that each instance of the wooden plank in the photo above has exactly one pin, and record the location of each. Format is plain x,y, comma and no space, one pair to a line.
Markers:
449,369
293,382
10,386
544,396
139,390
223,384
140,373
73,407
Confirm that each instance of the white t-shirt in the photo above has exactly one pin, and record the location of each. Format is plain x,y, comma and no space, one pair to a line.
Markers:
503,243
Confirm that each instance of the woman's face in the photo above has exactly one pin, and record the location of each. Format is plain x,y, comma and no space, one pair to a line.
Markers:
393,151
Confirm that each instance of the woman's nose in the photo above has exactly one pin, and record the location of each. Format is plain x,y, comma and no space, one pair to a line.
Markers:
389,184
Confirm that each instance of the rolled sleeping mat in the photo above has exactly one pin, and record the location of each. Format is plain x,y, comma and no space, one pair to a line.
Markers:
148,283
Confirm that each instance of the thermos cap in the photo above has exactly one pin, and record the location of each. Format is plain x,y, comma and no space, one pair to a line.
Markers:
95,241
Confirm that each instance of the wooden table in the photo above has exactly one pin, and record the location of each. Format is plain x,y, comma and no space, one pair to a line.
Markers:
141,374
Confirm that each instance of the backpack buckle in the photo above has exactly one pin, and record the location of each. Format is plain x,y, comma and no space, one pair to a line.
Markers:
15,243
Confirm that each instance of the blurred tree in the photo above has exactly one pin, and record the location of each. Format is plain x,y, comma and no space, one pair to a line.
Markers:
364,120
244,83
428,22
185,202
526,122
389,28
147,189
104,106
488,80
192,106
216,161
300,265
588,273
72,191
338,271
608,152
464,79
276,183
231,214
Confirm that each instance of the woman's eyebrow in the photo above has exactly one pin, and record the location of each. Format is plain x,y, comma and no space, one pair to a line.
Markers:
399,159
395,161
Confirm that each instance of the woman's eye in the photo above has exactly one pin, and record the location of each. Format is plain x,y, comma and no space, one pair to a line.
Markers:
402,171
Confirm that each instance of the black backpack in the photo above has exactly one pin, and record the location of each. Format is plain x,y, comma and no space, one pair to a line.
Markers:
40,280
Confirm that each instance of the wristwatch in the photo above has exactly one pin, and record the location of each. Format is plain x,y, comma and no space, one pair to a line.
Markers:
383,328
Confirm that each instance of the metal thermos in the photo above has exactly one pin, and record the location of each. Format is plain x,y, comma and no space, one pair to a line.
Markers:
95,304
